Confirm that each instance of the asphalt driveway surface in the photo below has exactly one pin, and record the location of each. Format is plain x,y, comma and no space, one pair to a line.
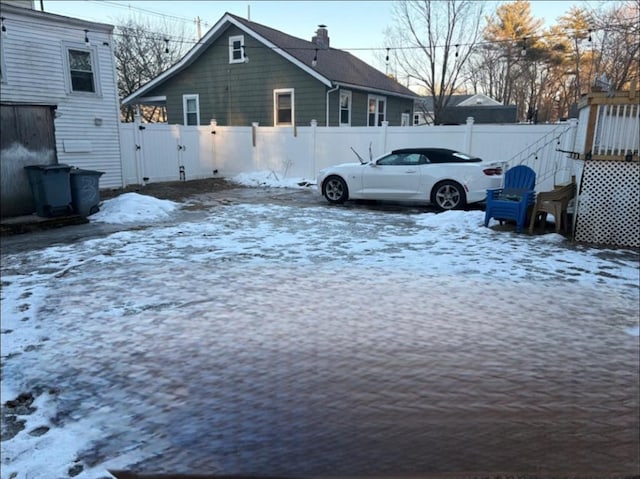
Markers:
287,337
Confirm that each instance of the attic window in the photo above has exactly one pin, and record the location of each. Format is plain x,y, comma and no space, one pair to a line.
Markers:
236,44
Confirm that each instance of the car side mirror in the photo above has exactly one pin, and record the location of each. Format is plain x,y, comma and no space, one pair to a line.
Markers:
373,163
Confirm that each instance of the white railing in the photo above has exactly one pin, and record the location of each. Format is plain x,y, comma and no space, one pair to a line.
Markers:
160,152
617,130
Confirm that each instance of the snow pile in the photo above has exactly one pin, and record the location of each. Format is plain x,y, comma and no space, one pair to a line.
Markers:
134,208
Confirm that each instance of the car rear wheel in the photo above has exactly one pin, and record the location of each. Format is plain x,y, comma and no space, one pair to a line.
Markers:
335,190
448,195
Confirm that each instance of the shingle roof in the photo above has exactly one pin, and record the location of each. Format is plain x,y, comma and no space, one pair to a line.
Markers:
336,65
333,66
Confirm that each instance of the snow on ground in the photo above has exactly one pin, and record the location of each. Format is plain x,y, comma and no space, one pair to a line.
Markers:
67,307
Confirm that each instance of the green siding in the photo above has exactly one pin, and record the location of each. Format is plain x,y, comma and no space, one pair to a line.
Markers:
238,94
242,93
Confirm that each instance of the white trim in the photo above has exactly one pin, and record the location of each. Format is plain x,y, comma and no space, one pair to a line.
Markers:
3,65
378,99
185,98
350,108
204,43
93,54
275,106
232,40
154,99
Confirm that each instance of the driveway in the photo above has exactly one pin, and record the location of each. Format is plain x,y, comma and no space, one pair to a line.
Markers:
264,332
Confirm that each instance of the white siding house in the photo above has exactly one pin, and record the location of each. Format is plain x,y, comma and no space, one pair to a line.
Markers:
67,64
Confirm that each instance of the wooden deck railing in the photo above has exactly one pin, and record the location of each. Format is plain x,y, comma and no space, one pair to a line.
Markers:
613,125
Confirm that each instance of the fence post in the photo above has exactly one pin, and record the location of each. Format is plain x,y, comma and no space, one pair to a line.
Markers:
569,144
314,127
254,128
468,133
385,126
137,140
213,123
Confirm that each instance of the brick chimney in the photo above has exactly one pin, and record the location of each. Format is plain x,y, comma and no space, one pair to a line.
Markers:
321,38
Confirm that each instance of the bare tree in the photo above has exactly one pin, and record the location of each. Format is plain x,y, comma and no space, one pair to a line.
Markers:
618,29
435,39
144,50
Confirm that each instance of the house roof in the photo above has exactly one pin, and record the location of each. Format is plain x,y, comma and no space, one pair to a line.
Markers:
53,17
478,100
333,67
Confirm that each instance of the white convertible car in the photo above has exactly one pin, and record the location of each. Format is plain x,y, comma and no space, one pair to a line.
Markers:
448,179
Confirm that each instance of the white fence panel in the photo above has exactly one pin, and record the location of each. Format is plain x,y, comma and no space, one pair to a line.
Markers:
160,153
301,152
232,150
286,151
128,154
196,152
333,145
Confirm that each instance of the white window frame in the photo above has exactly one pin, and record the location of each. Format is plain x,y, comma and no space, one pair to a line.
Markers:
377,99
3,66
276,93
232,40
93,53
185,99
348,94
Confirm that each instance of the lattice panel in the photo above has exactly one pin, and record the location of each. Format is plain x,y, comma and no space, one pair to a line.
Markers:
609,205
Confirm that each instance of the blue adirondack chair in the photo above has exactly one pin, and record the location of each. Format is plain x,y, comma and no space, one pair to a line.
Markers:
513,200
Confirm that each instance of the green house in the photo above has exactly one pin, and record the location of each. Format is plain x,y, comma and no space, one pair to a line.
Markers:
242,72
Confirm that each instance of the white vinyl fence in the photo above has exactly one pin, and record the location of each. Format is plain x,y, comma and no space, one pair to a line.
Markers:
159,152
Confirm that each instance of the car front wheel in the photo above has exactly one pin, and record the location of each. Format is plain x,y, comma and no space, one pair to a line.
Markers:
448,195
335,190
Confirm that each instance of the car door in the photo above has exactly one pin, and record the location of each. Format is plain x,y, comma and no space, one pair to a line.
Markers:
392,177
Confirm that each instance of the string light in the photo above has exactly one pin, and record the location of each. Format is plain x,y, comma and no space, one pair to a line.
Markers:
182,41
589,35
4,29
387,59
523,52
457,46
315,59
86,37
166,45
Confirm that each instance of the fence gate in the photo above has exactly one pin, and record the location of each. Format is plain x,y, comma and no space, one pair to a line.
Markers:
177,146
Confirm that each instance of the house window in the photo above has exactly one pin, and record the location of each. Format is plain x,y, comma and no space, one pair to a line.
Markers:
377,110
345,108
236,49
284,107
416,119
81,70
191,109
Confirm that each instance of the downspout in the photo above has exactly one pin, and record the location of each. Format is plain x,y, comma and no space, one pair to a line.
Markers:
336,88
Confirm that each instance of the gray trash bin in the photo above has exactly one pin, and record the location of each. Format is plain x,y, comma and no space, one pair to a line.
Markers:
50,189
85,191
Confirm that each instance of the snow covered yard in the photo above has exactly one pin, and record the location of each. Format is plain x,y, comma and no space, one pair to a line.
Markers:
278,339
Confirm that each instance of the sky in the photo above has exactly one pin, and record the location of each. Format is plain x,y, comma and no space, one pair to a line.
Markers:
299,269
363,37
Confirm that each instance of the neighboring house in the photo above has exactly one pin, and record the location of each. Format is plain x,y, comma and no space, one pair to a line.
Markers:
482,108
58,97
242,72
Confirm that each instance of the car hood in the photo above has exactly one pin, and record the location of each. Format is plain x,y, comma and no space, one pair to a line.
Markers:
353,164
